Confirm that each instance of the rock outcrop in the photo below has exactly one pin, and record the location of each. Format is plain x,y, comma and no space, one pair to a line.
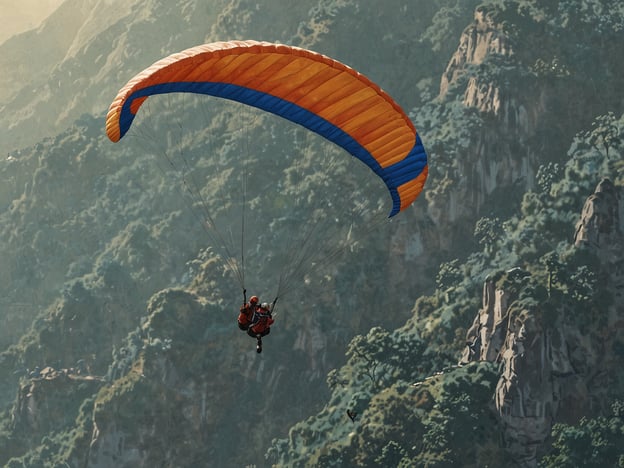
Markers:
482,38
552,372
490,164
601,230
600,226
48,401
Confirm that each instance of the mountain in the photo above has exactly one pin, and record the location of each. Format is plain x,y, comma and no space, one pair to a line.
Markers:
538,382
21,16
482,327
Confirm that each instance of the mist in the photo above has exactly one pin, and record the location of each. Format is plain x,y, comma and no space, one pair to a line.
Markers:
17,16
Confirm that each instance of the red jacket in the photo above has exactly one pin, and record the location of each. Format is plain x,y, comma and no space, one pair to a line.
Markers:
246,315
262,322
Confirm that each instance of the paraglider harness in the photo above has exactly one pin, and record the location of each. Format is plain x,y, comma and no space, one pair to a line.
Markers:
254,320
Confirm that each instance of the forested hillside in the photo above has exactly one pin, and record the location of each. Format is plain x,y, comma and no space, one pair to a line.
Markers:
480,327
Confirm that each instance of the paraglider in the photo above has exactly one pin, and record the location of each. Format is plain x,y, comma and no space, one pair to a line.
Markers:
256,318
247,310
304,87
261,325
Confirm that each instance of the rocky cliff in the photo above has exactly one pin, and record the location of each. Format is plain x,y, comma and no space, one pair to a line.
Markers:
526,84
600,227
556,366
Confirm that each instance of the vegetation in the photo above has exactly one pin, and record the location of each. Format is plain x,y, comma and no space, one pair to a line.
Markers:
447,419
110,265
593,442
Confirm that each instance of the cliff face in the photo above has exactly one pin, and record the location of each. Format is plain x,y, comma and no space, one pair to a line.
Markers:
601,225
554,369
510,69
479,40
166,405
48,401
492,160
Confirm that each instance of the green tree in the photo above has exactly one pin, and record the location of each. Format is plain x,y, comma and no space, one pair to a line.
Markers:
547,174
391,454
488,231
385,357
604,133
448,275
583,283
554,268
593,442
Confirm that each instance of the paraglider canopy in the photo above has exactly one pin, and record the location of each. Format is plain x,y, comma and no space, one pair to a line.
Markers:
302,86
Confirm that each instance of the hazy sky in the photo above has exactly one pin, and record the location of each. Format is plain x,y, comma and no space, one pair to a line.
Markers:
21,15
